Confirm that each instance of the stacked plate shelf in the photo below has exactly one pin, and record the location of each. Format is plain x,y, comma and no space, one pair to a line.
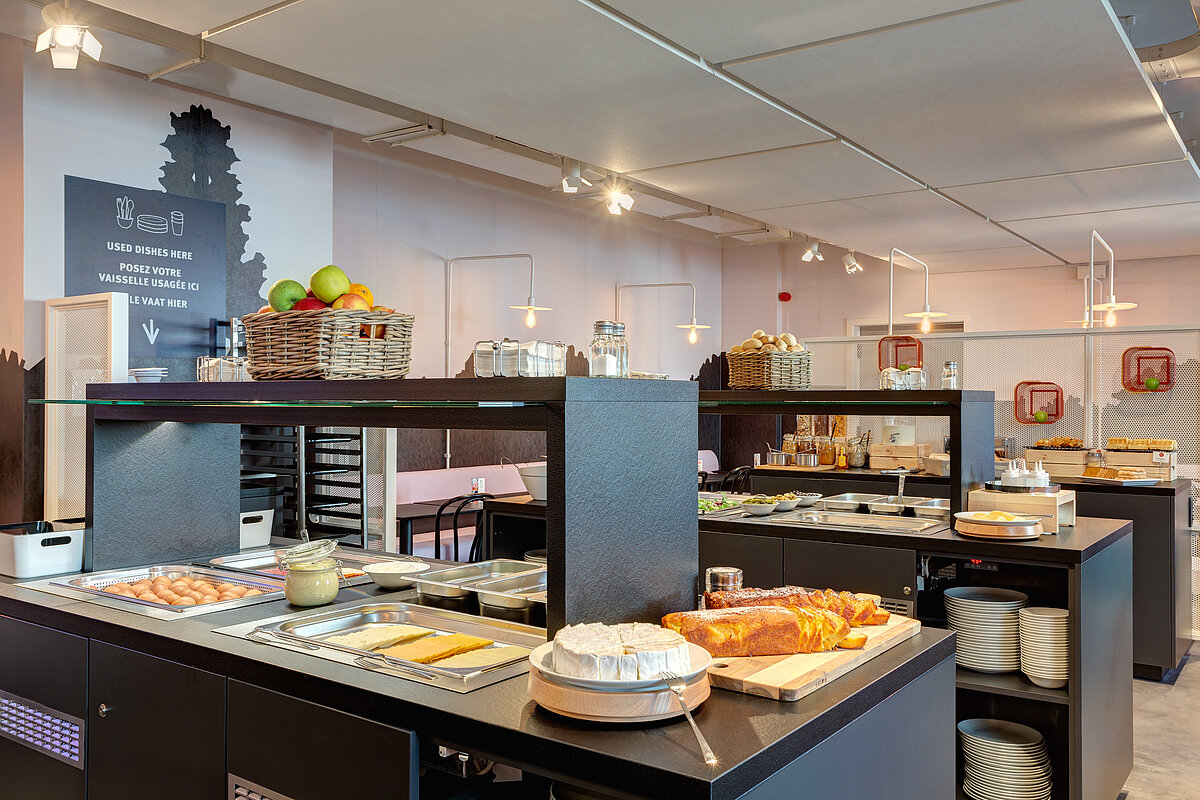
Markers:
1045,645
148,374
1004,761
988,627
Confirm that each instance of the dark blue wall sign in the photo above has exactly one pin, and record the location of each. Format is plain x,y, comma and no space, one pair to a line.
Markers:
165,251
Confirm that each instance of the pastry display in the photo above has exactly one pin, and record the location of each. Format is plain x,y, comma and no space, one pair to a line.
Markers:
1061,442
1142,444
857,610
377,637
760,630
629,651
434,648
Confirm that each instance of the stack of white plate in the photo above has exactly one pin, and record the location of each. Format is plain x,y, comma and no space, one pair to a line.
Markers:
1045,645
1004,761
148,374
987,625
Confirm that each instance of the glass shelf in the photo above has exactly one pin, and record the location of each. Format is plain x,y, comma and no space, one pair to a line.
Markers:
823,402
297,403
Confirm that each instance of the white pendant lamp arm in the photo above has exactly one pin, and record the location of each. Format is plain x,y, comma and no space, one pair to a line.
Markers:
1090,294
450,290
892,282
622,287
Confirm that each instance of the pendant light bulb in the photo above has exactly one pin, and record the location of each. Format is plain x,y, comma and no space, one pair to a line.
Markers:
1110,319
926,325
530,319
693,337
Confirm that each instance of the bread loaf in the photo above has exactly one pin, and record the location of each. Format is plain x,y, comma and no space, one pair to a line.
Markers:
853,608
760,631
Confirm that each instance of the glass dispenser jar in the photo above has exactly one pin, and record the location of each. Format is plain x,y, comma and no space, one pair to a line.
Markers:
311,574
608,355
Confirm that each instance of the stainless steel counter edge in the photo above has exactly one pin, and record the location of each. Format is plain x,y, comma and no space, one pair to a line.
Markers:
754,737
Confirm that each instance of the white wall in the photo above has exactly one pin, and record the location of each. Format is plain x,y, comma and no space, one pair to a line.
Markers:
824,296
396,223
104,125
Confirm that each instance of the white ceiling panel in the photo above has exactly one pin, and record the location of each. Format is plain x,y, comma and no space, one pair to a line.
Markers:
484,157
189,17
917,222
807,174
551,74
1035,87
1132,233
720,30
1085,192
993,258
266,93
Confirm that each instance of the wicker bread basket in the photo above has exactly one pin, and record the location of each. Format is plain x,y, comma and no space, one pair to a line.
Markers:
328,343
775,370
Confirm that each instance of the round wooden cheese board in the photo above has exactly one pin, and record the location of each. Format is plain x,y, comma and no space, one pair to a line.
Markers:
998,532
649,705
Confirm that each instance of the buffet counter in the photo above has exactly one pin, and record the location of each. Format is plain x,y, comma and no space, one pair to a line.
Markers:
762,744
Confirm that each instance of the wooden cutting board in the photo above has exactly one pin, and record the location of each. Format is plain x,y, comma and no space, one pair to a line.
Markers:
789,678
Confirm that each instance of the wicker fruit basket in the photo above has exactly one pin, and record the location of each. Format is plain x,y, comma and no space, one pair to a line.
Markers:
775,370
334,344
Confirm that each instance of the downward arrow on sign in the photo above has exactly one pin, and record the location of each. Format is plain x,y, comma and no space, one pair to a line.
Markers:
151,332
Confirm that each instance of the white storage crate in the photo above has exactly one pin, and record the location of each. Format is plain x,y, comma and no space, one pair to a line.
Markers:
35,549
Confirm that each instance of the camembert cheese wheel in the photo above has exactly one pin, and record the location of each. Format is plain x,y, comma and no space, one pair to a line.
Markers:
629,651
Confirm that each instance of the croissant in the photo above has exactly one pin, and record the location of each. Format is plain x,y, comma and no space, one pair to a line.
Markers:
856,610
760,630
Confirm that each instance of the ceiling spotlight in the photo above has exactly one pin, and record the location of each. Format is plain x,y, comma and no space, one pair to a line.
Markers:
851,263
572,180
812,250
65,38
618,198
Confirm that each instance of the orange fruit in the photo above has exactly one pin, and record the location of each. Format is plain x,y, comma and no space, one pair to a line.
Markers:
363,292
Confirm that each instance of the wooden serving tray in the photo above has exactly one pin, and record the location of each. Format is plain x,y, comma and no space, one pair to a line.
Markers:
790,678
618,707
1011,533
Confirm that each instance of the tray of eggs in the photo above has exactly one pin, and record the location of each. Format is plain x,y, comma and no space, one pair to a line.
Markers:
179,588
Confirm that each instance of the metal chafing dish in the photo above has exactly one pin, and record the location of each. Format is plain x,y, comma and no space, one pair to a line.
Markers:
92,585
876,523
460,582
893,504
932,509
310,632
849,502
266,562
520,591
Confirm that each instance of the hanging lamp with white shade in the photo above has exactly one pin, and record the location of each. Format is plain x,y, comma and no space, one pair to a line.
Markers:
926,313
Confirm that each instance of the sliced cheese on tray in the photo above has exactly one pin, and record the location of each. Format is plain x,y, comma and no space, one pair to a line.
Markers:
485,657
379,636
433,648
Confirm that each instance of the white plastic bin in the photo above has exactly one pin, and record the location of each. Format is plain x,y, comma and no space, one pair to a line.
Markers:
256,528
35,549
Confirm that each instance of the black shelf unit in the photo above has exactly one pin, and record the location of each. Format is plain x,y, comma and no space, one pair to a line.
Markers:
592,426
971,415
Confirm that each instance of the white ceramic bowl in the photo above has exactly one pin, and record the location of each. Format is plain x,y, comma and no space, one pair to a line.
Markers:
394,574
786,505
758,509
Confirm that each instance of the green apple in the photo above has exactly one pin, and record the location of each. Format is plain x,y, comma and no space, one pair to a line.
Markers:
329,283
284,294
1153,383
1041,416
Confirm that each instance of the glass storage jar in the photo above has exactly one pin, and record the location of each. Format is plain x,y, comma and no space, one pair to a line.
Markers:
950,375
311,574
608,355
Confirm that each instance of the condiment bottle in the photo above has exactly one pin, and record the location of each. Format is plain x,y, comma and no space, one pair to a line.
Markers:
841,459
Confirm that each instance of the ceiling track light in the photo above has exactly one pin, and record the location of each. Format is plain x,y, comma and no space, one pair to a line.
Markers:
572,178
618,198
925,314
851,263
65,38
812,250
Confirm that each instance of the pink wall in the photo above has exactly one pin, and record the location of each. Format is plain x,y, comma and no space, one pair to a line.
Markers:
825,297
12,198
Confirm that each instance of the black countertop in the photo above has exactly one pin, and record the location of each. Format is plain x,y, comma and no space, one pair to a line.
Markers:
1174,487
753,737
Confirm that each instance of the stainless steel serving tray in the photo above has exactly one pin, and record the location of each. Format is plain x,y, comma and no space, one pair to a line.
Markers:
876,523
519,591
849,502
933,509
894,504
308,632
91,586
458,582
258,562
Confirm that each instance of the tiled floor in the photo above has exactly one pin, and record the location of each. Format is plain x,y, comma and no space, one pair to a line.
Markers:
1166,733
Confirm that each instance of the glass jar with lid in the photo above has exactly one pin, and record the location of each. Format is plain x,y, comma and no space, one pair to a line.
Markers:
311,574
608,355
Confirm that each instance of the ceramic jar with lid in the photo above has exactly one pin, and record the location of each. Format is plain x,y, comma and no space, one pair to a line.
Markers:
311,574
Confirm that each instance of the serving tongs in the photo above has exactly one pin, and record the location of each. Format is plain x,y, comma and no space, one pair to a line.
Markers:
426,671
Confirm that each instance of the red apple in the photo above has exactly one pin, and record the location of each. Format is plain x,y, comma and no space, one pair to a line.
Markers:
351,302
310,294
377,331
309,304
265,310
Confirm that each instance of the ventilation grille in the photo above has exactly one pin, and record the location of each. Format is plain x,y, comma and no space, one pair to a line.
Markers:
902,607
42,729
242,789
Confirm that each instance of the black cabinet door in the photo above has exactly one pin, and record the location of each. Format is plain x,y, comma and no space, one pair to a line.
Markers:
43,682
884,571
760,558
162,730
382,759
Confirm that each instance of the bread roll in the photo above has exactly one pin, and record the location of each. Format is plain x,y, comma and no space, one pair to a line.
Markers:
751,344
758,334
789,338
737,348
769,339
767,348
796,348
